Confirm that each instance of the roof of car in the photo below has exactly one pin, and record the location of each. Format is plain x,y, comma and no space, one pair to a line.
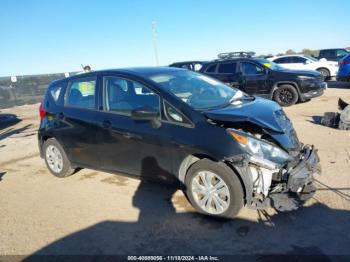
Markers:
137,71
288,55
233,59
192,61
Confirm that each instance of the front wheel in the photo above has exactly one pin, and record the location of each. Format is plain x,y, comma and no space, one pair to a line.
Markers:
286,95
214,189
324,72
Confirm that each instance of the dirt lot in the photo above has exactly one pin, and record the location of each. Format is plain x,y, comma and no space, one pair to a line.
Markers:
100,213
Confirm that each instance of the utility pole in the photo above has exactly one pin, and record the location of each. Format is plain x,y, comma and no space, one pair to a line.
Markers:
154,40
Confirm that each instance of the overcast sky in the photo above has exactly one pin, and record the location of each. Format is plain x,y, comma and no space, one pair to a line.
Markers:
40,36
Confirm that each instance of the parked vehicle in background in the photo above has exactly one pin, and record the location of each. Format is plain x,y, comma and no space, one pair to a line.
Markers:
333,54
230,149
303,62
344,69
258,76
190,65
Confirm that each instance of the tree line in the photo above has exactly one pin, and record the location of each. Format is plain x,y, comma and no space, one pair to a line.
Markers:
305,51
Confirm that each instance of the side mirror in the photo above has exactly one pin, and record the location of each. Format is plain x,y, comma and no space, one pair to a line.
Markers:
323,60
146,113
307,62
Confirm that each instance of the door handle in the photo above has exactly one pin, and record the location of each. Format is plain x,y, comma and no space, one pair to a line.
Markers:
60,116
107,124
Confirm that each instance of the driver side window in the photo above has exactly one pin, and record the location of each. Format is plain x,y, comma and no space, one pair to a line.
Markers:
251,69
122,96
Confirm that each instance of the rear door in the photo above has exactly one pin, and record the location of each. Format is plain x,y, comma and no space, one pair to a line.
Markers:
228,73
255,79
297,62
76,128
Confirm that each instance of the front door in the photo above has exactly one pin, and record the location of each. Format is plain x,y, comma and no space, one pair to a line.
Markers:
127,145
255,79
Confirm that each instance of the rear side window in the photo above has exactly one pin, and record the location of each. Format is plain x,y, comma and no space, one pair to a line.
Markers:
327,53
297,59
81,93
282,60
211,68
227,68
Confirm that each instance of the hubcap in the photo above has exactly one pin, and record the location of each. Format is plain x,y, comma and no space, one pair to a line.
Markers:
210,192
54,159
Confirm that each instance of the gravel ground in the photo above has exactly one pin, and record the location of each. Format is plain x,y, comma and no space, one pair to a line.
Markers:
99,213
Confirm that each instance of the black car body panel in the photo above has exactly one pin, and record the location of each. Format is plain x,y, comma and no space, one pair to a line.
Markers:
98,138
267,81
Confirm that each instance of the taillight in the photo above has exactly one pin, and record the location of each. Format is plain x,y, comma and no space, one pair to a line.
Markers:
344,62
42,111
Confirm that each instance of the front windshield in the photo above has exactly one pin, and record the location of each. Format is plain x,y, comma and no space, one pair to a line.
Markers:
197,90
270,64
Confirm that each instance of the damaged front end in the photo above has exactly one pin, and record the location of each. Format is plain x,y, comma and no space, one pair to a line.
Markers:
278,179
285,188
277,169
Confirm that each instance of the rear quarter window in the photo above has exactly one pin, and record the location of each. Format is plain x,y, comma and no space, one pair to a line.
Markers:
55,91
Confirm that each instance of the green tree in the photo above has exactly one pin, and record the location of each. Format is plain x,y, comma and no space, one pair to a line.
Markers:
290,52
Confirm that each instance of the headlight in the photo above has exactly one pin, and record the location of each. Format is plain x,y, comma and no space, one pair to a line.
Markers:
262,152
306,78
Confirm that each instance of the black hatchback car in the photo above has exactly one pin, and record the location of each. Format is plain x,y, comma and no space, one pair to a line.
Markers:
258,76
226,148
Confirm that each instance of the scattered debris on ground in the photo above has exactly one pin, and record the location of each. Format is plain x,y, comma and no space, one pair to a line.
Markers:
338,120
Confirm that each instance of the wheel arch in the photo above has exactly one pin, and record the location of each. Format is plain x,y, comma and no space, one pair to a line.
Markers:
245,180
279,83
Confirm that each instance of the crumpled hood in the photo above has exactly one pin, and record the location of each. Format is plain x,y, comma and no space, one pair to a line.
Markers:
259,112
264,113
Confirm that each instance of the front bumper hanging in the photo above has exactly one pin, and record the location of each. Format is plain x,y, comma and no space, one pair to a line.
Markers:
300,185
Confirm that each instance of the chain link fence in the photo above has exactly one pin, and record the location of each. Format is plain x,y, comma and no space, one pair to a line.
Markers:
30,89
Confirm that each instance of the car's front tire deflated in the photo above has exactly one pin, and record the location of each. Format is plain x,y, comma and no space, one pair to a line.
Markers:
214,189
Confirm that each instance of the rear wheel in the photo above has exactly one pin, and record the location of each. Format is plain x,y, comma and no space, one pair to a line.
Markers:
56,159
214,189
286,95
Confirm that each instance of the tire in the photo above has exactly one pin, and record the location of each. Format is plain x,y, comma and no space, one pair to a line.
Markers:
324,72
286,95
233,199
53,148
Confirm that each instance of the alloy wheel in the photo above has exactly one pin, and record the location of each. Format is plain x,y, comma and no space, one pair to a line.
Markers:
286,96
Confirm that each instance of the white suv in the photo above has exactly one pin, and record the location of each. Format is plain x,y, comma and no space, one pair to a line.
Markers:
304,62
